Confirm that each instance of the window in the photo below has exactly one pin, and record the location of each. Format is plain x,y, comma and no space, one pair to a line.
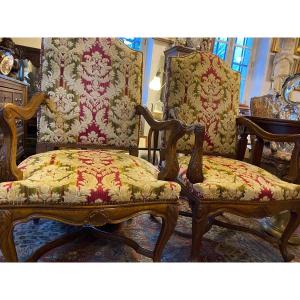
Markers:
133,43
220,47
237,53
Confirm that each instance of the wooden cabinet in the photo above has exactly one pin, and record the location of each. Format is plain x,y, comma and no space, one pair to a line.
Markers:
14,91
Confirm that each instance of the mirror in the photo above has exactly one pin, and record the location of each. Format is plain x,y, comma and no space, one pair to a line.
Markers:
291,89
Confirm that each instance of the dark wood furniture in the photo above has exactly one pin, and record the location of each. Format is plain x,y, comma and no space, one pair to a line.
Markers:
16,92
34,56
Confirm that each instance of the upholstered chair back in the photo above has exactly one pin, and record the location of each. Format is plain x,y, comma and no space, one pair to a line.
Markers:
201,88
94,85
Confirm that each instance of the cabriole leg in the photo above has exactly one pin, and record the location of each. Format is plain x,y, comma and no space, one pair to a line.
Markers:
293,223
169,221
7,244
199,228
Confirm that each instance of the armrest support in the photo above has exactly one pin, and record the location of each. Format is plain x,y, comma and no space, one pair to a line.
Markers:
177,130
195,167
275,130
8,115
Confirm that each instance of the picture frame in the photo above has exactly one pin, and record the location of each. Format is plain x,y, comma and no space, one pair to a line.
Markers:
275,45
297,47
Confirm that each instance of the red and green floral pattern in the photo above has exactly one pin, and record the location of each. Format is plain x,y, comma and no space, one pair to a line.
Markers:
94,85
231,180
87,177
203,89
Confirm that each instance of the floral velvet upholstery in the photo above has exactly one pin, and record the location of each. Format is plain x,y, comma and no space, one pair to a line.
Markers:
87,177
94,85
227,179
201,88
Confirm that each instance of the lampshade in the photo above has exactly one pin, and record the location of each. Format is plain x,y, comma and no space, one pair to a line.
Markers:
155,83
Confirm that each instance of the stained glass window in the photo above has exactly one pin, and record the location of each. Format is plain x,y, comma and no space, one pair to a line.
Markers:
133,43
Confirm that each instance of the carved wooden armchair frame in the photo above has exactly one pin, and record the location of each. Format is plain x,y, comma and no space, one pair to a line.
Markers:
205,209
88,216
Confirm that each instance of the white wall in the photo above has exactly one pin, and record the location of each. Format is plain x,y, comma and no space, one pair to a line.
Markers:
260,83
157,64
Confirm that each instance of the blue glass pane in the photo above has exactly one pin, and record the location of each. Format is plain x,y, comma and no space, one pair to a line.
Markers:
133,43
235,67
240,41
220,49
249,42
237,55
222,39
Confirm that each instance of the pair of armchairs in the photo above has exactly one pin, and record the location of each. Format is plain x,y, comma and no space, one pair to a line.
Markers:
88,121
203,90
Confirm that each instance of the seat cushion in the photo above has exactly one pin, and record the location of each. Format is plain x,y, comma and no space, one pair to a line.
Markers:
230,180
87,177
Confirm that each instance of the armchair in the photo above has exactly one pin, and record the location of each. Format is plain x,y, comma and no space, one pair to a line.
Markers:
88,117
203,90
277,157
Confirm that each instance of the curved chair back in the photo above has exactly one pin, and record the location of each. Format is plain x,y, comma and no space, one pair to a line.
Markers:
94,85
201,88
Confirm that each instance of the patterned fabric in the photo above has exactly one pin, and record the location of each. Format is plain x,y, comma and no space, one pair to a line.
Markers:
203,89
230,180
87,177
94,85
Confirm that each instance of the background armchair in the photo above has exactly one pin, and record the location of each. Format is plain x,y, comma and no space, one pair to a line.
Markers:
203,89
277,157
89,117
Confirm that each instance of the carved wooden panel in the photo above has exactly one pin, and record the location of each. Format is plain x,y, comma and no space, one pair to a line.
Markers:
13,91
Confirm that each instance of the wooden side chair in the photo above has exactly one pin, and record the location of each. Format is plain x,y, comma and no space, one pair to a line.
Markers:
88,120
203,90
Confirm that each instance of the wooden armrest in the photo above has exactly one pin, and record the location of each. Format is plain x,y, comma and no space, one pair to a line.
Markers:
177,130
8,115
276,130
